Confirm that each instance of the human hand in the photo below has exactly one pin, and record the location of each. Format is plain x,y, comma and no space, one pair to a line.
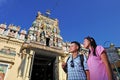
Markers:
63,64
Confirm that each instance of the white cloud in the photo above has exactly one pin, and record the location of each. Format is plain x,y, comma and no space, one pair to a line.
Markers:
2,2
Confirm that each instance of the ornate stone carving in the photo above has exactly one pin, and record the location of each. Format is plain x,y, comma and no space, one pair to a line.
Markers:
2,28
13,31
23,54
38,15
22,34
8,51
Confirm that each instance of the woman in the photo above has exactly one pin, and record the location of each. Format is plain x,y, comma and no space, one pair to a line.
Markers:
98,64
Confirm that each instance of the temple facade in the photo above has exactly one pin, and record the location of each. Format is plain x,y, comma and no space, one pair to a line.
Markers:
35,54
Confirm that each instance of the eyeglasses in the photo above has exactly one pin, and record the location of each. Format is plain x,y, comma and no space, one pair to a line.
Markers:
72,63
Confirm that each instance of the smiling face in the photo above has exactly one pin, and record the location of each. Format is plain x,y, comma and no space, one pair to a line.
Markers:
73,48
86,43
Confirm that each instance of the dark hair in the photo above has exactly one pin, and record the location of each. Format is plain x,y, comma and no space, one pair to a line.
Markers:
92,43
77,43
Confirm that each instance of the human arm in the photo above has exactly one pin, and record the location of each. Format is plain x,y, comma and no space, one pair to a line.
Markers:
104,59
87,74
86,68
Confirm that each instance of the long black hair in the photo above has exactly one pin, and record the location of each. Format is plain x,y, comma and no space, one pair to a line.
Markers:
92,43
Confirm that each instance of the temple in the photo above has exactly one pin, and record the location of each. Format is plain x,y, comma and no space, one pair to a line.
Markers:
35,54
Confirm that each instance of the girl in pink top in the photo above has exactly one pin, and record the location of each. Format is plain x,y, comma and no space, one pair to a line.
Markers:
98,64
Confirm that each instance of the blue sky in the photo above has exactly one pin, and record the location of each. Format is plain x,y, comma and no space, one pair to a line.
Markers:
77,18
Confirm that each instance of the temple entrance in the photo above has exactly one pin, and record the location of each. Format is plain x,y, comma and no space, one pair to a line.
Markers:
43,67
47,41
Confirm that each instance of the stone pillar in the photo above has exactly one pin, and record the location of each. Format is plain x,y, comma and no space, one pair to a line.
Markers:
56,68
28,65
62,74
23,64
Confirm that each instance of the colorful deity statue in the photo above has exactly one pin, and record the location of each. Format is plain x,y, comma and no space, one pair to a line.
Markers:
47,33
59,41
38,15
51,41
28,38
55,30
30,34
55,40
55,23
38,35
42,37
35,28
31,37
34,37
31,29
8,51
39,24
23,34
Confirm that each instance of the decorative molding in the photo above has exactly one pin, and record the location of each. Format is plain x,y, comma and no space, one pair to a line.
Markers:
44,48
11,63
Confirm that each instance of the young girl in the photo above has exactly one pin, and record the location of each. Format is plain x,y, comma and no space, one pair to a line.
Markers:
98,64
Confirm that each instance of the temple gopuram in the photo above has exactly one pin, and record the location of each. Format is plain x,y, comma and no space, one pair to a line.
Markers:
35,54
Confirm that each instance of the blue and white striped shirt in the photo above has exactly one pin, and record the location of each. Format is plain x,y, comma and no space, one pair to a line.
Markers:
77,72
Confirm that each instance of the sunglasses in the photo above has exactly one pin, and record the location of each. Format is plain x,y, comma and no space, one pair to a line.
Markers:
72,63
